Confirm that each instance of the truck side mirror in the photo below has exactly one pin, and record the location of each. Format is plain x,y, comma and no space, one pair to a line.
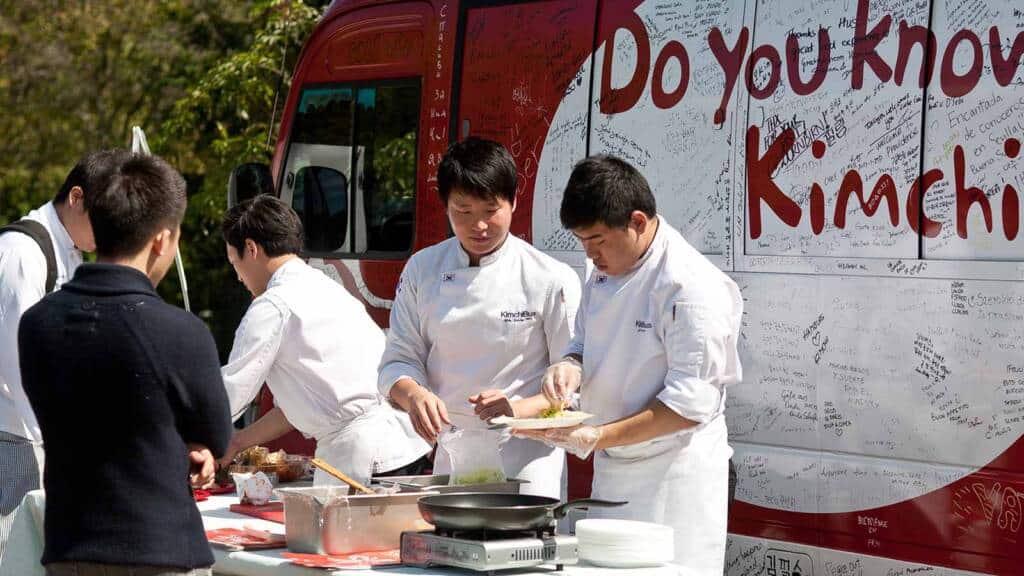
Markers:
249,180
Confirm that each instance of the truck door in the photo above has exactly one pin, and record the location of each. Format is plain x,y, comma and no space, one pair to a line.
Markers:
361,132
519,61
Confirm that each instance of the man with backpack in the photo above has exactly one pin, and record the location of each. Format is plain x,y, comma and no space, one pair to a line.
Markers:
37,255
127,392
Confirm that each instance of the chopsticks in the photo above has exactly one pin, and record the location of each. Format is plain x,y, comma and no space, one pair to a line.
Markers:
340,475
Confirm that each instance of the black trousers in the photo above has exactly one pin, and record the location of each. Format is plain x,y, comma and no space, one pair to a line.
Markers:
418,468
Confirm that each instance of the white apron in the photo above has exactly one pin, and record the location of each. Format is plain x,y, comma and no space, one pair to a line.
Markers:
673,480
665,331
358,447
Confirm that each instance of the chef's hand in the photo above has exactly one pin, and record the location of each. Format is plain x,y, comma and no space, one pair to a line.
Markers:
562,379
428,413
202,466
229,455
579,441
491,404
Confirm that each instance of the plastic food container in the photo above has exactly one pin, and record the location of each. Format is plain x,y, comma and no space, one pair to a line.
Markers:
291,469
327,520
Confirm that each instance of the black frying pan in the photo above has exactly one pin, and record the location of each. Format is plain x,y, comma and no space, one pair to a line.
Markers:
498,511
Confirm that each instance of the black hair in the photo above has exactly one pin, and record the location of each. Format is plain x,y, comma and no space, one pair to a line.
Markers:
267,221
605,189
143,195
92,172
478,167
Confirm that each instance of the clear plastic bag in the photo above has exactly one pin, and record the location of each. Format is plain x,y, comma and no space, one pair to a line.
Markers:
475,456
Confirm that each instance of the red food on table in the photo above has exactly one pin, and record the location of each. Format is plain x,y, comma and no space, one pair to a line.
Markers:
236,539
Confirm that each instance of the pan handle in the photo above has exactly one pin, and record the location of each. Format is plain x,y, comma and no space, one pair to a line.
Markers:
560,511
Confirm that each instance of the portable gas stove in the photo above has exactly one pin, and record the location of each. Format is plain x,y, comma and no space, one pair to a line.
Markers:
488,551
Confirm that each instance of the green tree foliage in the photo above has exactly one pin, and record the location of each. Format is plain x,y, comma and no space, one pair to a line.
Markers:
396,163
78,75
228,111
199,76
225,119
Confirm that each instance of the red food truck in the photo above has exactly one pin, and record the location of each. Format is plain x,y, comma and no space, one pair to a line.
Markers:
853,164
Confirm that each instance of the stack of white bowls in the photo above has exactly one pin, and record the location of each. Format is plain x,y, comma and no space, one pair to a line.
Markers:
624,543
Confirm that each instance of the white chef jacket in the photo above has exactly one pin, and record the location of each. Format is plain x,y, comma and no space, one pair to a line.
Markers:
317,349
666,330
459,329
22,284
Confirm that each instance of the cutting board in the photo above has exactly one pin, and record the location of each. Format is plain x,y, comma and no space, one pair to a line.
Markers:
273,511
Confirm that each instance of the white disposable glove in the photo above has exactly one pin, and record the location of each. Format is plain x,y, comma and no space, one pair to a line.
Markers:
579,441
562,379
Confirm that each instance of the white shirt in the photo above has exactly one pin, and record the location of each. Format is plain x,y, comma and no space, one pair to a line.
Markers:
317,349
459,329
667,330
22,284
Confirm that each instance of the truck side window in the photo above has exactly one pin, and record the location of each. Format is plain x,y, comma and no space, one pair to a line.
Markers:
350,171
386,132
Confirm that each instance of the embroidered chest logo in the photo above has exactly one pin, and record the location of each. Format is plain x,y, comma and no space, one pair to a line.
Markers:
448,277
642,327
517,316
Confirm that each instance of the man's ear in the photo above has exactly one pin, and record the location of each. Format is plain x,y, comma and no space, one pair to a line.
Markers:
252,249
162,242
639,220
76,198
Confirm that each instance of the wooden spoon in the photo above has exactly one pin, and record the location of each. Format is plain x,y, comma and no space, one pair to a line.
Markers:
340,475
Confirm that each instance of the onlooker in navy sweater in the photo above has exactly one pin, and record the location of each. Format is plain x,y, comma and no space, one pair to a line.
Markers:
127,391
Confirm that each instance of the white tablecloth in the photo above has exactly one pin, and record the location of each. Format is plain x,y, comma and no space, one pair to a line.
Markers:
25,544
25,547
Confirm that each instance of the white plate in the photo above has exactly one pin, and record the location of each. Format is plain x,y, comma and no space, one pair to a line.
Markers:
642,549
635,558
613,531
634,563
567,419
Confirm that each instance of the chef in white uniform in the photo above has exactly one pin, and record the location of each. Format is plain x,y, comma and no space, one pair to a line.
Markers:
315,346
655,349
24,273
478,318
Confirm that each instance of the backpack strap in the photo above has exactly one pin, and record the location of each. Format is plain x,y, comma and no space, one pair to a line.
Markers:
41,235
